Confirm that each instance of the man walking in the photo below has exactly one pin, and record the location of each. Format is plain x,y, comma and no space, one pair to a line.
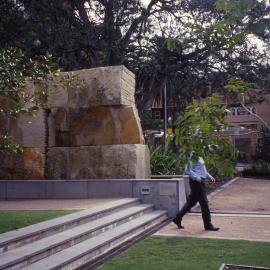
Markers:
197,176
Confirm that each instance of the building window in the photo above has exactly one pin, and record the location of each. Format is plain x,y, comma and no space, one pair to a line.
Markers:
156,114
233,111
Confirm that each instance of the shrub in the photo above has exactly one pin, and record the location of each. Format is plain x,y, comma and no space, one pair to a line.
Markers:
164,162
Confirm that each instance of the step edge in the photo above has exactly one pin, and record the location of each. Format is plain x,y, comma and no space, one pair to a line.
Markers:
13,261
158,214
22,234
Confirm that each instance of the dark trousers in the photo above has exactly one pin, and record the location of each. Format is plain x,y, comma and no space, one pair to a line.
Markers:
197,194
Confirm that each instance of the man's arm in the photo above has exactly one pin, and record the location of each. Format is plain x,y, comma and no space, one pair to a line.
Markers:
212,179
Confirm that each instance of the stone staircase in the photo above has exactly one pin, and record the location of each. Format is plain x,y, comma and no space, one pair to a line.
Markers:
79,239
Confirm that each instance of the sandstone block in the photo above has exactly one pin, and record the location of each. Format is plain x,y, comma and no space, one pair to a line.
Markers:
28,165
31,130
26,130
34,163
94,126
126,161
103,86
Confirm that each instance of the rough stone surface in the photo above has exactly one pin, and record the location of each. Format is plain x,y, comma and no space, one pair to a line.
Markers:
102,86
28,165
99,162
28,131
31,130
97,109
94,126
34,163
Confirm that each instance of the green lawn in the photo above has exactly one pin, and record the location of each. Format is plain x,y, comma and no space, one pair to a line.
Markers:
11,220
175,253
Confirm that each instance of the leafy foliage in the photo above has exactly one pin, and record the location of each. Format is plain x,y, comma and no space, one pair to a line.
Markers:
198,134
263,147
15,70
7,143
208,42
164,162
238,85
148,122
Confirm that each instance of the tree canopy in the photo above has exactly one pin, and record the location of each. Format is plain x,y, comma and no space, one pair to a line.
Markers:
193,46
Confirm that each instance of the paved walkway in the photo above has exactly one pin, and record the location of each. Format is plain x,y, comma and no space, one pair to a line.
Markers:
52,204
241,209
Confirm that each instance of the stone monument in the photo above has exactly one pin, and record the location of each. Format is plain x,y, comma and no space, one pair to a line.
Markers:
89,132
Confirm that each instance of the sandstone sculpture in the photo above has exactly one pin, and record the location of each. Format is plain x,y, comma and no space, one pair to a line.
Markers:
91,132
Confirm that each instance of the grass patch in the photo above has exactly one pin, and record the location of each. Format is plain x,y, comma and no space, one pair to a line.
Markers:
11,220
175,253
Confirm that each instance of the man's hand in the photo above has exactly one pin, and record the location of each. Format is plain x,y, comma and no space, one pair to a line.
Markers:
212,180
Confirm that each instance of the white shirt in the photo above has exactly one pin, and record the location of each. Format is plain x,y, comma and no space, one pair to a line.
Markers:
198,171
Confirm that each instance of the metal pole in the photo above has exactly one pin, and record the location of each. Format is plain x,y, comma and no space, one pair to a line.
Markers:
165,117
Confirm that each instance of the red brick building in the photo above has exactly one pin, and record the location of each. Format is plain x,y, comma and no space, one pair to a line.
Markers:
246,127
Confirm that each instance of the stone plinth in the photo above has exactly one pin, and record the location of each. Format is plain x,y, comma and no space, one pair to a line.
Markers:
127,161
94,126
103,86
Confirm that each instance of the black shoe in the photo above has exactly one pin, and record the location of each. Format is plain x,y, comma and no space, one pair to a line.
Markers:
211,228
178,223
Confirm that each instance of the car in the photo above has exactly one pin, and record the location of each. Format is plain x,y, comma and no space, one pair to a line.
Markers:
156,134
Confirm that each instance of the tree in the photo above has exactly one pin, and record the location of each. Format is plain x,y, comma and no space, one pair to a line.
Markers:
79,33
199,134
263,147
208,44
212,41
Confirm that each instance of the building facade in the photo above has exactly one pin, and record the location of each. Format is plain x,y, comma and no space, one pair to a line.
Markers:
246,126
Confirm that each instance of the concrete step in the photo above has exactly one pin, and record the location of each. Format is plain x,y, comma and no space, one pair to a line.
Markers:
37,250
17,238
86,251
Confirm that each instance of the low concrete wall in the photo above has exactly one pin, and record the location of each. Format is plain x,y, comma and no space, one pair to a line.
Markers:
167,194
185,177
